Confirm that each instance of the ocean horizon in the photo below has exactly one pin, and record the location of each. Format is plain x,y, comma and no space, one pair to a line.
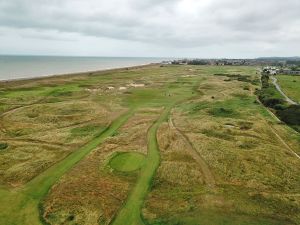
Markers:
23,67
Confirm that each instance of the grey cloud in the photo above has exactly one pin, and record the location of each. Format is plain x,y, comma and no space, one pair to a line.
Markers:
173,23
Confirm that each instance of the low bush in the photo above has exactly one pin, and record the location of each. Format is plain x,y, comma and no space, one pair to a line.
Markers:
290,115
270,97
3,146
222,112
244,125
280,107
239,77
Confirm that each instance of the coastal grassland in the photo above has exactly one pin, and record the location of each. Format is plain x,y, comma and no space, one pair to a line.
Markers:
46,119
212,153
55,124
290,85
163,91
254,171
40,135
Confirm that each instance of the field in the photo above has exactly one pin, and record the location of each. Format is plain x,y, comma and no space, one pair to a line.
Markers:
158,145
290,85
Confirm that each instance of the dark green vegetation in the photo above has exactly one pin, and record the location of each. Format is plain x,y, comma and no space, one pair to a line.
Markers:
290,115
3,146
239,77
127,161
151,145
270,97
268,94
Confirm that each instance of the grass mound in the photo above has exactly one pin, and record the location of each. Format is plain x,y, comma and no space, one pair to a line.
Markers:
127,161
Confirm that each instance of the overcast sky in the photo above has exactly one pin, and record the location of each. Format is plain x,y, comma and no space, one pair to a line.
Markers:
164,28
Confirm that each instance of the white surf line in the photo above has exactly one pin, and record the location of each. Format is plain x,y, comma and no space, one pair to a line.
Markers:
274,80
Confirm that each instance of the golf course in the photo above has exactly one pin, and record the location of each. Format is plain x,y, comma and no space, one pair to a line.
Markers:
148,145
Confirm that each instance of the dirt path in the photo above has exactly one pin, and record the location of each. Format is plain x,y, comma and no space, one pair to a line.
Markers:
207,174
24,203
283,141
130,214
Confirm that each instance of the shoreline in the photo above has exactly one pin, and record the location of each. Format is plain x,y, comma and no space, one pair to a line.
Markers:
82,73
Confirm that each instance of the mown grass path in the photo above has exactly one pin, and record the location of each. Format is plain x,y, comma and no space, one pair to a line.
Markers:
130,214
21,206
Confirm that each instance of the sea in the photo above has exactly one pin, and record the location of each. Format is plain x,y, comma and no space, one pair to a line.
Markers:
24,67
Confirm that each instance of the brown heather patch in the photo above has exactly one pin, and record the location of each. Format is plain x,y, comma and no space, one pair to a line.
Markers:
37,142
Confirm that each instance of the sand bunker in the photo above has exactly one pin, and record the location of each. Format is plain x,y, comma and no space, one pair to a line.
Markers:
188,76
136,85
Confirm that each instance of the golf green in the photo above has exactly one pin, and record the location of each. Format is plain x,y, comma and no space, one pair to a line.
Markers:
127,161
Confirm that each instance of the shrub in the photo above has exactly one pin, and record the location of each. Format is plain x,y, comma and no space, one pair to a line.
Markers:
245,125
222,112
279,107
272,102
290,115
3,146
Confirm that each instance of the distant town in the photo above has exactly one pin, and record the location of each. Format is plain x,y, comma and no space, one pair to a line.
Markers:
273,66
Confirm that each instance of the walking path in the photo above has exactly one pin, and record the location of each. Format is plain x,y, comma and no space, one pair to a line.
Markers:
207,174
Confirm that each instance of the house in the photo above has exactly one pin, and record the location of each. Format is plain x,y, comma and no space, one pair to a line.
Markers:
289,72
271,70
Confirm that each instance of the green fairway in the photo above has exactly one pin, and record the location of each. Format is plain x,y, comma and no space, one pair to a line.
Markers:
130,214
290,86
127,161
24,203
